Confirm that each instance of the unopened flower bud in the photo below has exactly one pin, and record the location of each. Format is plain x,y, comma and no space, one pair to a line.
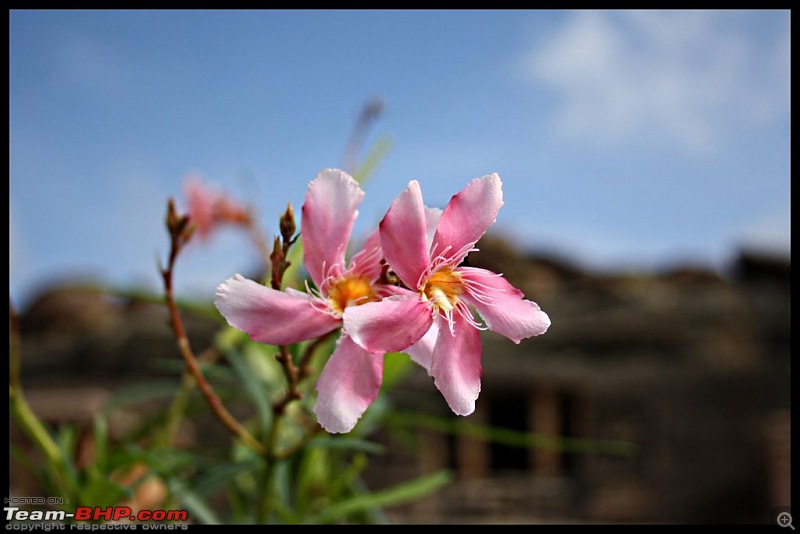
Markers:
176,223
287,224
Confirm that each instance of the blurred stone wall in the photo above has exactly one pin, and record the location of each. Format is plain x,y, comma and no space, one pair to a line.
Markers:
690,366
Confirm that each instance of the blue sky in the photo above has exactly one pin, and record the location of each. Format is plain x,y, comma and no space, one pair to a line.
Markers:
624,139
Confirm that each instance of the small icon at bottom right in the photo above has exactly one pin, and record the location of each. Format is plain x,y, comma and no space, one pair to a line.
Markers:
782,516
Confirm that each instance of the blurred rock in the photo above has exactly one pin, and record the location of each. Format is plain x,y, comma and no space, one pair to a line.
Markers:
78,334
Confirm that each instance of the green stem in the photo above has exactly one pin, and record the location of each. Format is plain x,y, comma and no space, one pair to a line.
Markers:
33,427
268,483
19,408
177,409
181,400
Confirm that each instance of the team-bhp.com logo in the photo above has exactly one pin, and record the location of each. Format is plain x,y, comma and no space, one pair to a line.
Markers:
114,514
118,513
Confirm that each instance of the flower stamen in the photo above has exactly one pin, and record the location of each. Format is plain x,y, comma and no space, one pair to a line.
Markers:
349,291
442,289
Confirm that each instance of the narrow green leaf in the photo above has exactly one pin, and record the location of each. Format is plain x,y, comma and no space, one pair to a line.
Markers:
513,438
344,477
99,490
101,443
353,444
220,474
238,509
138,393
312,475
165,460
375,515
400,494
256,390
198,509
22,457
378,152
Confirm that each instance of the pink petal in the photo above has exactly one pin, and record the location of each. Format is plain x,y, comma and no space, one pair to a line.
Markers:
200,200
329,212
389,325
502,306
347,386
432,216
367,262
388,290
209,207
403,232
467,217
421,352
270,316
456,366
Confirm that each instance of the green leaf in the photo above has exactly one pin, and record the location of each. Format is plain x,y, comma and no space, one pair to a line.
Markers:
395,367
400,494
237,506
311,480
101,443
220,474
99,490
261,361
198,509
22,457
379,151
340,483
256,389
283,477
513,438
67,440
132,395
229,338
374,515
353,444
165,461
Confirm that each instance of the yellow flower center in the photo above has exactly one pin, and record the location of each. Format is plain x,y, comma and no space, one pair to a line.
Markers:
350,291
443,288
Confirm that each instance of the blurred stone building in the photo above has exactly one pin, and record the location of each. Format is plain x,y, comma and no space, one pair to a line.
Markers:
691,368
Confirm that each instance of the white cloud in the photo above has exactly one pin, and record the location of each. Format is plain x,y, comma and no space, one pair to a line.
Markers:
89,65
686,78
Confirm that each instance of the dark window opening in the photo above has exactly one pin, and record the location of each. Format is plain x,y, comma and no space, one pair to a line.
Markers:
451,442
568,413
510,412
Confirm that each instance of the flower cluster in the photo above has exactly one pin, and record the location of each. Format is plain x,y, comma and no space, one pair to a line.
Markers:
210,208
426,310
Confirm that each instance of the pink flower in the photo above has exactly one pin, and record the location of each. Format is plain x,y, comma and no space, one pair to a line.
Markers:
209,208
352,376
434,323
